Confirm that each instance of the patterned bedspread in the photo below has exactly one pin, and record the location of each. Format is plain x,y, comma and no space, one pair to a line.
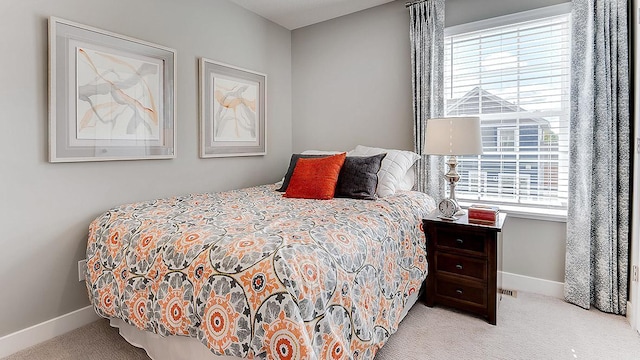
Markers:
252,274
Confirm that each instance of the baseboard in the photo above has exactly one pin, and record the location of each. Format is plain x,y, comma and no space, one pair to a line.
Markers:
20,340
631,316
532,285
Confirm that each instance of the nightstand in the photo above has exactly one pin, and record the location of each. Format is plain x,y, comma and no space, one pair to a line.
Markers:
465,264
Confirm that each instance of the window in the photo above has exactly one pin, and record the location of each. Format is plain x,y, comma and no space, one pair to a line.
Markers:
513,73
507,138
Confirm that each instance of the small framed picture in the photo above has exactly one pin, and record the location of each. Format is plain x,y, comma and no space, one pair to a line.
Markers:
232,111
111,97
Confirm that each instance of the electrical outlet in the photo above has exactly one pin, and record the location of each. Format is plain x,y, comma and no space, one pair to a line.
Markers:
638,145
635,273
82,267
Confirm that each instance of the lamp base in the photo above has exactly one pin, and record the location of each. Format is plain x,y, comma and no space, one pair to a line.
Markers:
450,206
447,218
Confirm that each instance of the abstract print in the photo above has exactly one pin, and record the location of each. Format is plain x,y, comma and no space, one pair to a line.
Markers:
235,110
252,274
118,96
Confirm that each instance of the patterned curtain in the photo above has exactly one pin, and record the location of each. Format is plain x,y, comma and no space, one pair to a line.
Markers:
427,66
598,217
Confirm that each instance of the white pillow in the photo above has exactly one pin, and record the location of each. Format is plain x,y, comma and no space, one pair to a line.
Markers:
321,152
409,180
393,169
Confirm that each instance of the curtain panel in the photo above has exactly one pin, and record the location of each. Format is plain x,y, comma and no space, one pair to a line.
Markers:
426,34
598,215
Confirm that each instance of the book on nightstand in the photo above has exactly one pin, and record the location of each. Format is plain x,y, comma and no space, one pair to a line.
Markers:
483,214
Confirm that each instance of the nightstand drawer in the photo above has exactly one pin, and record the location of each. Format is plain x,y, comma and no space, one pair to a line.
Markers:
460,240
464,292
461,265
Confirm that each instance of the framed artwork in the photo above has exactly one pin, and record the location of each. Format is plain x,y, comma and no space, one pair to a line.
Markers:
111,97
232,111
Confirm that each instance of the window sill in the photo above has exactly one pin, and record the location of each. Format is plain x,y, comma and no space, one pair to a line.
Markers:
529,213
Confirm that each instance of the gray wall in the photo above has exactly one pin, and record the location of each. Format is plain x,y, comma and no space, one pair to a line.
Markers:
352,81
45,209
352,85
463,11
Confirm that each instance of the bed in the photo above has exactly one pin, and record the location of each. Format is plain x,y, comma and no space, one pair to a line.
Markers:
251,274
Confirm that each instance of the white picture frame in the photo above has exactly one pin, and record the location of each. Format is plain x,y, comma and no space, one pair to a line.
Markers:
111,97
232,111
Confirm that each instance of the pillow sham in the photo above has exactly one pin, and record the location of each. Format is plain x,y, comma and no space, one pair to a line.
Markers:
408,180
292,165
358,177
315,178
394,167
321,152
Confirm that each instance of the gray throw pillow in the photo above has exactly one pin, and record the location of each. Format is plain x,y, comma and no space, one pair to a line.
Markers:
292,165
359,177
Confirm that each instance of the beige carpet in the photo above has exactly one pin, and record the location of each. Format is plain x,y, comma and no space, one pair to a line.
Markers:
529,327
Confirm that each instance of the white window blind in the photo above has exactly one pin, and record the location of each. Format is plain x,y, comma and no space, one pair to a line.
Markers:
516,78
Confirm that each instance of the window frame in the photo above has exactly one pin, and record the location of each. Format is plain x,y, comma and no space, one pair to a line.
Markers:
515,143
520,210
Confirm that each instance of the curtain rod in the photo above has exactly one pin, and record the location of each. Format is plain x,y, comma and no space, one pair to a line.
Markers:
409,3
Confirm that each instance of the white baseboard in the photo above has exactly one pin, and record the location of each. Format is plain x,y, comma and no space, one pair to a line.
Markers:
20,340
533,285
632,317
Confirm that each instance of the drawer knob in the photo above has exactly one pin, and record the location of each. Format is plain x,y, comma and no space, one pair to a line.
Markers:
459,291
459,241
459,266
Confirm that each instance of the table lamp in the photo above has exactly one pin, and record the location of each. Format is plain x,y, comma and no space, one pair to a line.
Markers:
452,136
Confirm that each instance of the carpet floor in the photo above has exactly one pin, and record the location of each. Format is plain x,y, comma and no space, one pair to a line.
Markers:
529,327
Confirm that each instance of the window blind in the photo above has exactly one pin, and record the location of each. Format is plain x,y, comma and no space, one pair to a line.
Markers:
516,79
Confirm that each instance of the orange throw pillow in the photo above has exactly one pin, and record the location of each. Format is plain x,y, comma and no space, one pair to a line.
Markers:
315,178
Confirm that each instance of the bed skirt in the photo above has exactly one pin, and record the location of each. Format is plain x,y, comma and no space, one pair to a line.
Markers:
182,347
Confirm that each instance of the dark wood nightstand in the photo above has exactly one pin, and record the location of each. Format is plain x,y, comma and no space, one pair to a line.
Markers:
465,261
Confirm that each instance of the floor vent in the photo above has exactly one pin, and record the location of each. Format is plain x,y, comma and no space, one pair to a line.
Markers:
508,292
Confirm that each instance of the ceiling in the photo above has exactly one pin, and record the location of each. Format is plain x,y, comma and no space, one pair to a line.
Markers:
293,14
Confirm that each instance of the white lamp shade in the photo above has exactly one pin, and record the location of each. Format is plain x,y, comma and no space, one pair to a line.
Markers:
453,136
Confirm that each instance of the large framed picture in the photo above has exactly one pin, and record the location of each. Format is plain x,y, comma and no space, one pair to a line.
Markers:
232,111
111,97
